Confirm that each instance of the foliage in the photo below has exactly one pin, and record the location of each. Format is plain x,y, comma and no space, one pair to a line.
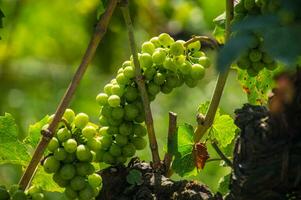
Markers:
134,177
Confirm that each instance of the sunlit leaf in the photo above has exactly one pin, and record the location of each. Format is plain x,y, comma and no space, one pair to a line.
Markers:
223,184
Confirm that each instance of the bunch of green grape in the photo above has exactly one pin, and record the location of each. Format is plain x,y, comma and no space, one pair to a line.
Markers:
255,59
15,193
165,64
72,151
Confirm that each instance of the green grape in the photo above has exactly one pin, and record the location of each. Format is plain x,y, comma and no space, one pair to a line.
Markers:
84,168
58,179
81,120
244,63
89,132
51,165
198,54
159,56
129,150
117,90
153,88
177,48
120,70
106,111
114,100
53,144
190,82
94,144
197,71
204,61
108,158
69,115
60,154
71,194
112,130
70,145
113,82
166,89
257,66
255,55
179,60
114,122
4,195
86,193
139,130
131,111
115,150
131,94
106,141
180,80
194,47
148,47
103,121
170,65
70,158
38,196
67,172
83,153
252,72
159,78
249,4
102,99
117,113
139,143
63,134
126,128
121,159
107,88
155,41
122,79
150,98
129,72
165,40
126,63
140,118
103,130
146,60
19,195
149,73
95,180
172,80
185,68
99,156
267,58
121,140
78,183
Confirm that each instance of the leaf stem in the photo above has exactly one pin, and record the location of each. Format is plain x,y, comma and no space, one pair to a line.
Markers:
172,129
221,81
141,86
99,32
221,154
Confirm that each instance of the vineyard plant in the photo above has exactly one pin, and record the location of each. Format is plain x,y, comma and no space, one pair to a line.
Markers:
256,145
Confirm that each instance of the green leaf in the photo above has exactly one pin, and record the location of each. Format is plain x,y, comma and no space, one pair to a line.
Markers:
223,184
44,180
203,108
34,132
219,34
184,166
257,87
223,130
11,149
134,177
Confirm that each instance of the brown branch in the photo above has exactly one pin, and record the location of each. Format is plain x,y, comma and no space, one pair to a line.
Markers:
141,86
172,129
100,31
221,154
209,40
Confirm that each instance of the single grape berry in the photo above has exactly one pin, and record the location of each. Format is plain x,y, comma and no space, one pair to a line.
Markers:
108,158
78,183
63,134
155,41
58,180
255,55
177,48
153,88
70,145
159,56
67,172
51,165
126,128
103,121
139,130
194,46
122,79
53,144
204,61
115,150
197,71
81,120
112,130
117,90
131,94
86,193
139,143
149,73
169,64
84,168
69,115
94,144
71,194
159,78
148,47
185,68
83,153
89,132
114,100
117,113
146,60
131,111
129,150
60,154
95,180
129,72
106,141
107,88
165,40
121,140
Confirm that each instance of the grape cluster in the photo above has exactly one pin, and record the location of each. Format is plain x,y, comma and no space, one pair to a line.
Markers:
72,152
255,59
165,64
14,193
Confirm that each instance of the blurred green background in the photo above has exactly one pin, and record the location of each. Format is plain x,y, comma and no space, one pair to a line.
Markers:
43,43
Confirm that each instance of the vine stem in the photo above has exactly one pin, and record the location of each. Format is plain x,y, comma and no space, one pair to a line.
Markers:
221,81
172,129
141,86
99,32
222,155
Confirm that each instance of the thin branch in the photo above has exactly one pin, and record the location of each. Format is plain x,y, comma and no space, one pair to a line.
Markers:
221,154
221,81
100,31
209,40
141,86
172,129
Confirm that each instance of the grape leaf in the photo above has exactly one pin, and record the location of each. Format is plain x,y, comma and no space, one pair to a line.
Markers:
134,177
223,184
34,132
256,88
185,165
12,150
